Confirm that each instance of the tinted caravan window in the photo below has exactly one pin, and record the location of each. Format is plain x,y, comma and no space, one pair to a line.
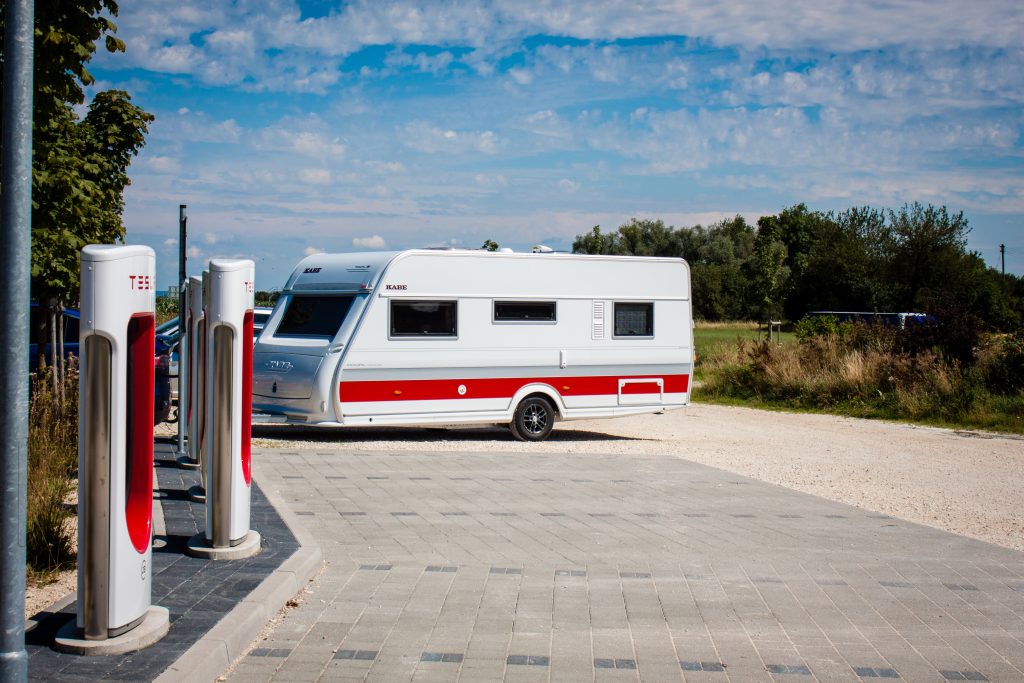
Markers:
423,319
524,311
314,316
634,320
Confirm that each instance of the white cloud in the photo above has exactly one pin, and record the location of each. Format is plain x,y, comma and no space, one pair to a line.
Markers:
192,126
210,237
521,76
162,164
424,137
271,46
567,185
170,242
193,252
315,176
309,251
307,136
372,242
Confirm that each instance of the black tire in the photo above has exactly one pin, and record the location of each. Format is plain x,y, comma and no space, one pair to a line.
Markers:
533,420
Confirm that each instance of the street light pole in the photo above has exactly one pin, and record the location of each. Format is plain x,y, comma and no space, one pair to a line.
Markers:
15,271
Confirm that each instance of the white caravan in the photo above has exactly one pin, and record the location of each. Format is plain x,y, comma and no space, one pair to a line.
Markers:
427,336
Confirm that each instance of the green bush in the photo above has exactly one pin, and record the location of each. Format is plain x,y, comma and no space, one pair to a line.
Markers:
52,461
1005,371
864,371
166,308
810,327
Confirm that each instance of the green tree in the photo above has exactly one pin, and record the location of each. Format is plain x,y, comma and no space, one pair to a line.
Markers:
594,242
79,165
928,247
490,245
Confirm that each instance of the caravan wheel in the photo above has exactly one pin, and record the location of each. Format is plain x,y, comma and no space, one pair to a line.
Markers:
533,420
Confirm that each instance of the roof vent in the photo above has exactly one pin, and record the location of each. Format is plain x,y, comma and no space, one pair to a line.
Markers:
505,250
541,249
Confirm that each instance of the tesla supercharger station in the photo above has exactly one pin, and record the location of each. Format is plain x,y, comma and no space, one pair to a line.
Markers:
195,338
226,449
115,452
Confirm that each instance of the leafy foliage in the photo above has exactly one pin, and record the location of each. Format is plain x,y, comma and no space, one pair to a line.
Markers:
861,259
79,164
78,179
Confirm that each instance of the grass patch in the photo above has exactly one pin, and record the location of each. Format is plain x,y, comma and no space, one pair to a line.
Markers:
714,340
52,463
869,373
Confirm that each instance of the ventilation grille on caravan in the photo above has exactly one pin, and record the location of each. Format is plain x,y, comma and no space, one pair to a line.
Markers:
598,332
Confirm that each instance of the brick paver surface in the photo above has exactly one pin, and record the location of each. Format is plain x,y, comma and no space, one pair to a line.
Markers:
538,567
196,592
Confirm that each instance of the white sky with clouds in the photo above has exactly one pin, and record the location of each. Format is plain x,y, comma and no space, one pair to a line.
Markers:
292,128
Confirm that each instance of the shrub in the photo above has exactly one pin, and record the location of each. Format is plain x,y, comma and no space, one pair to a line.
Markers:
811,327
866,370
1004,370
52,460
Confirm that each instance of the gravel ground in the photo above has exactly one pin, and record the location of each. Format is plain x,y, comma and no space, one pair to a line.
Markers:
964,482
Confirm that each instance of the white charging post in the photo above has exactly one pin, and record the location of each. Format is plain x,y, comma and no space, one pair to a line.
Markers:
193,339
115,455
229,327
186,456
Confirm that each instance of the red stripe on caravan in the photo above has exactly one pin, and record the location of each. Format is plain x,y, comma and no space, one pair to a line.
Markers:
501,387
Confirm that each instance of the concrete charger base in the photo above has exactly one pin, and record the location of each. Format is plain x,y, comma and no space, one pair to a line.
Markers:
154,626
197,494
187,463
249,546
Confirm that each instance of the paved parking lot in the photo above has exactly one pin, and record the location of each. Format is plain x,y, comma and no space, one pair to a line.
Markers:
537,567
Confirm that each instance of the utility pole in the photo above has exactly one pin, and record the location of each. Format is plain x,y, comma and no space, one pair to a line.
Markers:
1002,257
15,272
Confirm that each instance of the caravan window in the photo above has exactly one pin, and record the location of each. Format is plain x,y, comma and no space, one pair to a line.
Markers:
423,319
314,316
634,319
524,311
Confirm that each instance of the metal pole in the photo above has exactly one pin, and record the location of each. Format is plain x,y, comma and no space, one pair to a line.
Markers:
1002,257
182,303
15,262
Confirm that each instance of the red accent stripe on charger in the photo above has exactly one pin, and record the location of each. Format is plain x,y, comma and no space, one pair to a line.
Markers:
247,325
502,387
138,504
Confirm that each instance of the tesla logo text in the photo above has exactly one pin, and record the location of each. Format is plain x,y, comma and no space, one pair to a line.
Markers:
311,270
278,365
141,282
401,288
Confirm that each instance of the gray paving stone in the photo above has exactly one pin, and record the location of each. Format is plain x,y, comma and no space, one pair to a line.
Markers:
608,559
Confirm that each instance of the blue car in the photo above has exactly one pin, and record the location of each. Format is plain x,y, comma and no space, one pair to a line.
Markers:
70,335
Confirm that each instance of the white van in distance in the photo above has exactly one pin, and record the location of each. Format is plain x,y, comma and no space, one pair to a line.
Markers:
426,336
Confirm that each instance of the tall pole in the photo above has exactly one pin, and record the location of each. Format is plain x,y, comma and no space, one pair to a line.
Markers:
1002,257
182,341
15,261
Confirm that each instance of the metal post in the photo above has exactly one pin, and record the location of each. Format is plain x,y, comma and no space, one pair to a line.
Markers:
182,303
1002,257
15,261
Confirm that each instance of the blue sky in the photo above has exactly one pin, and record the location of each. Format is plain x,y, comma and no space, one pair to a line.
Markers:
289,128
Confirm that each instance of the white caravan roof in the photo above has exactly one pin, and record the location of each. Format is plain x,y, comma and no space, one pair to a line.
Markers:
417,273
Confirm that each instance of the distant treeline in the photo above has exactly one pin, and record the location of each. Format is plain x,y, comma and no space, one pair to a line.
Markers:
860,259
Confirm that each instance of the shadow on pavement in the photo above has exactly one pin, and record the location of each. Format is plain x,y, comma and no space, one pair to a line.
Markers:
419,434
